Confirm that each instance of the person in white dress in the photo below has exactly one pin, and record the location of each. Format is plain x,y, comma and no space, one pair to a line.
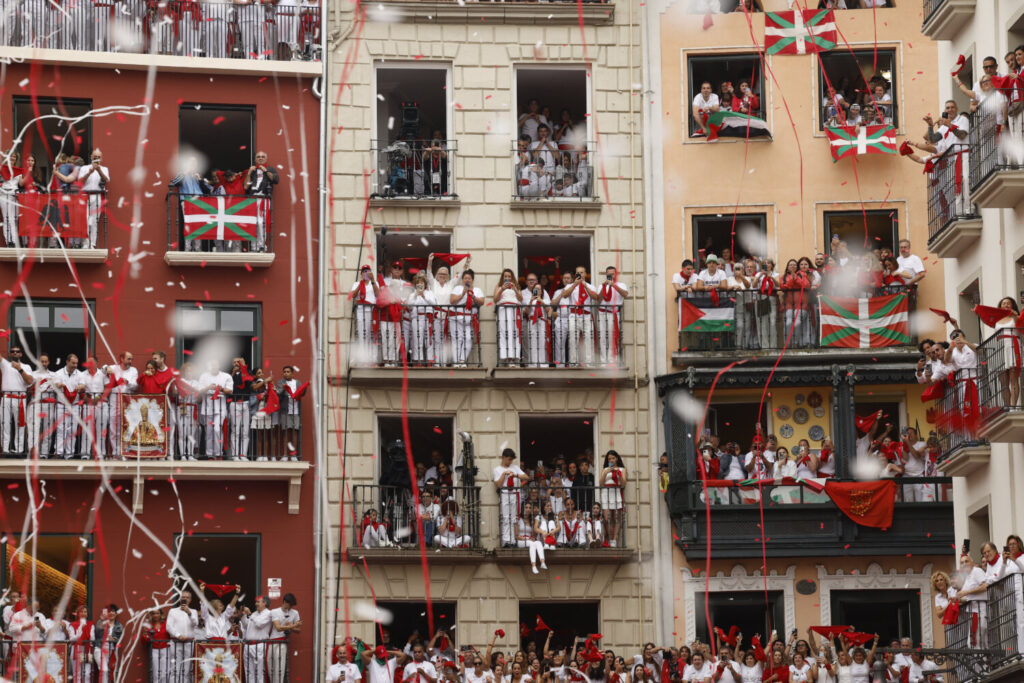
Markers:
962,355
375,533
800,671
422,308
364,299
613,486
526,537
1011,357
507,302
944,593
466,301
545,526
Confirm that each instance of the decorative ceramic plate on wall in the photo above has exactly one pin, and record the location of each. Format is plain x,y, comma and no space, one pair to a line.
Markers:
800,416
782,412
816,433
819,411
786,431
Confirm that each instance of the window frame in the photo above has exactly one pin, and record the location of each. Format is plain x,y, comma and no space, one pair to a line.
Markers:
85,558
553,417
688,91
827,217
380,64
697,218
258,565
519,99
533,607
218,307
838,597
206,106
588,236
56,102
379,435
777,610
51,304
894,89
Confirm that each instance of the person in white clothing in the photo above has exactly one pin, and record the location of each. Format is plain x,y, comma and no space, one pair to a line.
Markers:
464,317
95,410
216,617
705,103
15,380
450,532
55,629
596,537
375,532
256,631
69,384
81,635
531,120
479,674
422,306
915,457
527,537
572,527
182,625
713,277
508,311
536,326
583,302
921,669
973,597
94,178
39,418
364,299
123,379
698,670
343,670
910,263
441,285
284,621
214,386
508,479
609,321
560,303
26,625
419,670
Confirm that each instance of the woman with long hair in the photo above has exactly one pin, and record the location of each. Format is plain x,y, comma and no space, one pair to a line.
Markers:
796,304
1011,342
527,538
545,526
613,481
507,304
944,592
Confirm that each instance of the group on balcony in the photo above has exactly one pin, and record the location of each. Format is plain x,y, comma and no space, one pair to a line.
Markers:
110,412
434,320
551,158
756,307
65,209
245,29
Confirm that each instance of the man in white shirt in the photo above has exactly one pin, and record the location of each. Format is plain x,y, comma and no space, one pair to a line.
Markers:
380,664
465,301
256,629
214,385
364,297
27,624
531,120
704,104
419,670
69,383
508,480
41,410
909,263
15,379
561,302
712,277
535,323
94,178
583,299
124,379
284,621
95,410
685,280
921,669
343,670
609,320
544,150
915,456
10,600
973,598
182,622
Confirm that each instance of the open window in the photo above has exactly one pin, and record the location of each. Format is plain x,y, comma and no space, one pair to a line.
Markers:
731,238
734,422
863,230
752,611
567,621
891,414
548,256
51,561
553,97
979,529
411,249
966,76
56,328
220,137
726,73
219,331
223,559
970,323
866,80
47,136
432,440
547,439
400,620
892,614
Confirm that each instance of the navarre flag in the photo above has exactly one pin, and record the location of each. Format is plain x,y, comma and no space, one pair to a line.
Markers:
847,141
868,503
700,314
44,215
221,217
864,323
732,124
799,32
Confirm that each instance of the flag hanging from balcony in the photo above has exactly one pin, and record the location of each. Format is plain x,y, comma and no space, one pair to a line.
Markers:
732,124
702,314
845,141
54,215
799,32
868,503
221,217
864,323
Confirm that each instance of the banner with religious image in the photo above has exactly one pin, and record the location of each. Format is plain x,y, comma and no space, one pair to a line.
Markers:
144,426
42,663
218,663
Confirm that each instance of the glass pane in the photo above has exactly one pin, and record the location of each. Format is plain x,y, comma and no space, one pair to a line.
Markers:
39,316
195,321
237,321
69,317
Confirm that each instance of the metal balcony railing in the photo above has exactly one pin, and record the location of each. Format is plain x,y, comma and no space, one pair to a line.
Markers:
541,336
787,491
175,661
45,220
930,7
230,223
181,426
389,517
414,169
995,147
554,172
43,653
167,27
420,335
580,516
949,197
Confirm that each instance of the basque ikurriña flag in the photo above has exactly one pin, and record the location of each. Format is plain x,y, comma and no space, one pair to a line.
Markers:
799,32
221,218
848,140
864,323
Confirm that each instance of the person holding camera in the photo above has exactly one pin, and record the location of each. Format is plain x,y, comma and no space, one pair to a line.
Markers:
466,301
609,320
421,303
507,298
536,305
435,166
94,179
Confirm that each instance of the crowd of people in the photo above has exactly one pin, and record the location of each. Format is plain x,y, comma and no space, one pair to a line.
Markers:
866,104
245,29
551,158
170,636
434,319
78,410
828,655
790,298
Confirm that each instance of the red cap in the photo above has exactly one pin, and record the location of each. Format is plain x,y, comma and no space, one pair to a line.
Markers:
380,651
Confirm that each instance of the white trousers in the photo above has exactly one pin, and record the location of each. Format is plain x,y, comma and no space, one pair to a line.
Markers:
181,661
277,661
561,335
508,511
10,411
536,550
97,421
461,329
451,540
509,345
187,432
160,665
9,209
442,345
67,418
581,339
238,430
390,341
41,426
114,425
213,424
607,340
536,341
421,338
255,663
364,350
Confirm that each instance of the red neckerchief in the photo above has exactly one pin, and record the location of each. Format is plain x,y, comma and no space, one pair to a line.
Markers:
569,535
616,477
70,396
451,525
993,562
361,290
582,297
606,291
826,453
299,391
510,480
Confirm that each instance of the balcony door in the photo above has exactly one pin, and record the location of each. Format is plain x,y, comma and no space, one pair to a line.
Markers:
46,136
752,611
220,136
892,614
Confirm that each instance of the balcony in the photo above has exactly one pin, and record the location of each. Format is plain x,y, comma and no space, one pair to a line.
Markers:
550,178
997,161
545,337
962,450
174,28
171,660
415,171
995,654
54,227
954,224
944,18
800,522
220,230
1001,418
511,12
747,321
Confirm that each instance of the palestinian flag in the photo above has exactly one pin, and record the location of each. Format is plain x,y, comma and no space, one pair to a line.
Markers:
864,323
799,32
221,217
732,124
851,140
701,314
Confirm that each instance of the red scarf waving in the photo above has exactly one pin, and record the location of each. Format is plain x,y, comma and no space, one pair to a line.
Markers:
299,392
570,534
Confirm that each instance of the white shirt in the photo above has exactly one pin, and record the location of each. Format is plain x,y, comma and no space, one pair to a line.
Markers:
615,298
11,379
531,125
343,672
964,358
919,672
509,476
471,676
130,377
705,106
799,675
179,624
284,618
42,382
913,466
93,183
677,279
759,467
712,279
942,601
751,674
911,264
17,628
256,626
584,290
527,296
691,673
429,512
460,292
412,670
94,381
62,378
976,577
220,380
442,293
381,673
53,629
217,625
369,296
727,675
544,153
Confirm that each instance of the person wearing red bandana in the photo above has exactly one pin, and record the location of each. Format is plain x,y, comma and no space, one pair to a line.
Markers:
10,171
572,527
449,530
973,594
464,317
69,384
122,379
583,299
915,459
39,418
561,302
596,536
536,325
215,615
154,636
609,321
374,532
364,298
507,301
419,670
508,479
826,459
95,413
289,417
613,486
1011,357
343,670
214,387
284,620
1013,555
15,380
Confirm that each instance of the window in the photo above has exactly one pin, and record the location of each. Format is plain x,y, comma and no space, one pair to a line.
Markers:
863,230
223,559
701,6
432,440
743,235
552,255
966,76
412,617
978,528
891,412
412,249
547,438
566,619
969,321
723,71
856,77
734,422
560,95
221,136
49,560
221,331
56,328
47,137
892,614
751,611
